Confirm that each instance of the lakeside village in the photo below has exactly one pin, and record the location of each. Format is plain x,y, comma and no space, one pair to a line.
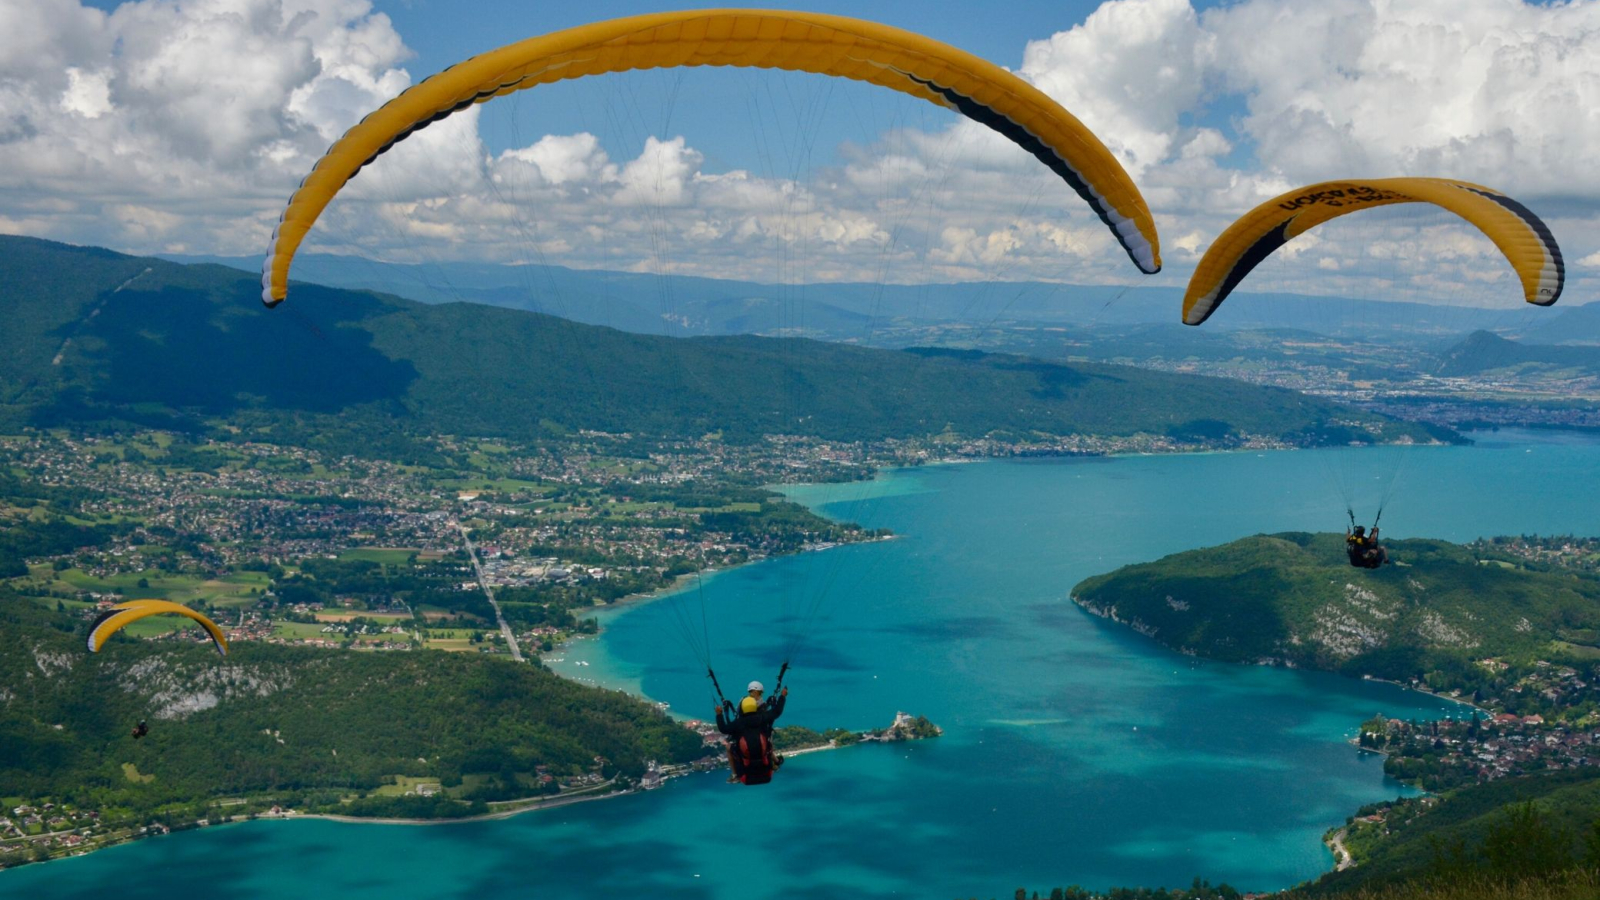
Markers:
1392,379
35,830
1542,716
289,545
1525,719
1516,399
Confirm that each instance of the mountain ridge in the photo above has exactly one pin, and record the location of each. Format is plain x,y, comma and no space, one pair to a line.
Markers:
691,305
98,333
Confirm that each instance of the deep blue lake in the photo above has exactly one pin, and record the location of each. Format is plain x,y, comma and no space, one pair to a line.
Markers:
1074,751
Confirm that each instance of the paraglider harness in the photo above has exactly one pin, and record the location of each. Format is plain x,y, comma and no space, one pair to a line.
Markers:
1364,550
751,752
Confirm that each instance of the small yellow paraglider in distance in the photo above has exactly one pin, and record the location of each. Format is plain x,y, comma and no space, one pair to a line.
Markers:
1519,234
124,614
756,38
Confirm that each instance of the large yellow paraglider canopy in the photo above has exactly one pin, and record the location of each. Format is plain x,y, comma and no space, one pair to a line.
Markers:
124,614
1520,235
795,41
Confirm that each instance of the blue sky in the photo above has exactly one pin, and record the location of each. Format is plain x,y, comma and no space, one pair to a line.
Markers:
181,126
440,35
441,32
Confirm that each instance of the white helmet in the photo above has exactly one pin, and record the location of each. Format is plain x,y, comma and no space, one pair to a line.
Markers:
755,686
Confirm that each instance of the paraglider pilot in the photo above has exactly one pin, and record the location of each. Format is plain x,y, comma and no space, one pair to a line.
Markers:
1364,550
140,730
749,734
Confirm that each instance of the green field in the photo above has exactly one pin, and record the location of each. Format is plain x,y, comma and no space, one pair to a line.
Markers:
1580,651
404,784
451,634
131,772
234,591
497,485
387,556
295,631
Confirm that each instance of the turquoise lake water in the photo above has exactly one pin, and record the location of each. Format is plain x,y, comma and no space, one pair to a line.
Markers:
1074,752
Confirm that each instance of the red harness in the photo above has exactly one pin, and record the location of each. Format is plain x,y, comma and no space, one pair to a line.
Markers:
757,766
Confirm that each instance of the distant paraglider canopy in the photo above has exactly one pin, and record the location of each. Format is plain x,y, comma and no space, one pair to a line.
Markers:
1514,229
1519,236
794,41
124,614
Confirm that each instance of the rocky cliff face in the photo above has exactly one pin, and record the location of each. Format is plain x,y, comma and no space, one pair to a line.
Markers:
171,687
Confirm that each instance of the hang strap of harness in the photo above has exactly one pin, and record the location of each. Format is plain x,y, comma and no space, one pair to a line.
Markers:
726,706
1352,514
782,671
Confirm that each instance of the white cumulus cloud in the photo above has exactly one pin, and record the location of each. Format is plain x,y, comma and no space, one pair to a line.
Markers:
183,126
1498,91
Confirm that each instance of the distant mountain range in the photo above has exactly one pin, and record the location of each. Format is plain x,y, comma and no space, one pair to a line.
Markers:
1483,352
683,306
92,334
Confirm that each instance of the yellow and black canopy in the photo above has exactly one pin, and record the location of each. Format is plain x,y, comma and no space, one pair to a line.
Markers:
123,614
1520,235
774,39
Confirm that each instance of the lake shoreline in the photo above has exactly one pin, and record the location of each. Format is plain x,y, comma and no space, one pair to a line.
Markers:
994,666
533,805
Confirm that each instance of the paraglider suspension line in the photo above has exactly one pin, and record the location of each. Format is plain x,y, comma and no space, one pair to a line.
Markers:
718,688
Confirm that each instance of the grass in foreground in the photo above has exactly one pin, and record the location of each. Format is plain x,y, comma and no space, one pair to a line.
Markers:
1577,885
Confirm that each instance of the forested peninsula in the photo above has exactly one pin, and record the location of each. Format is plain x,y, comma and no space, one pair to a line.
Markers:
296,727
1292,599
1509,625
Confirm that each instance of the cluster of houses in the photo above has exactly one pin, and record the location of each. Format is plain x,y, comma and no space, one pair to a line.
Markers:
501,569
1488,749
47,824
1565,551
246,504
1543,687
244,512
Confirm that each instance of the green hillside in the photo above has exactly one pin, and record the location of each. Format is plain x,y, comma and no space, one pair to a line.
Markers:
1578,885
86,342
1293,598
1455,837
1483,352
290,723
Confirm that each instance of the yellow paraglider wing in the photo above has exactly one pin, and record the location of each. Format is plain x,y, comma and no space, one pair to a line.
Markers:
121,615
1514,229
795,41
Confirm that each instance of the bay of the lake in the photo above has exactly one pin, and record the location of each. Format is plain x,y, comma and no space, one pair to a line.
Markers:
1075,751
